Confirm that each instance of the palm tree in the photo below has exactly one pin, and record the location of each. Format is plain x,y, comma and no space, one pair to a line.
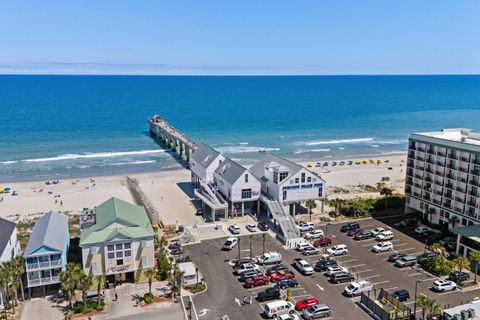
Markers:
475,257
426,303
310,204
178,279
387,192
4,281
84,283
69,280
11,284
337,204
440,252
250,237
150,274
461,263
100,280
264,238
19,268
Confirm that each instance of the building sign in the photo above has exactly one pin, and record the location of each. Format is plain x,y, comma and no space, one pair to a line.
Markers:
303,186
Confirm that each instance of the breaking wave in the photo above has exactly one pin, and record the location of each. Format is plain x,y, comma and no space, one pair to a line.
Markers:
243,149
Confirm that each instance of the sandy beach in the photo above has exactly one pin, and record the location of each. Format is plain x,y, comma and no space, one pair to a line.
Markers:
170,190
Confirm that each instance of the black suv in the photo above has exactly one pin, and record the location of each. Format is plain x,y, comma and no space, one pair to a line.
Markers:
395,256
276,268
425,257
341,277
363,235
269,294
263,226
349,226
322,265
401,295
458,277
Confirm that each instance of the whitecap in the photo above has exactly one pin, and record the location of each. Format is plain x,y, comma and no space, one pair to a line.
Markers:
338,141
245,149
75,156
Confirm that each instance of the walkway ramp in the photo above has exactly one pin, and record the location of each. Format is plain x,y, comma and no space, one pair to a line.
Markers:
211,197
284,220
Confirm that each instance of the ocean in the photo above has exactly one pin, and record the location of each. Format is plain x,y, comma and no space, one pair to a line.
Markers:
54,127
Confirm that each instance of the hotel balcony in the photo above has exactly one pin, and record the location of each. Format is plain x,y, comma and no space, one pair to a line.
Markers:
430,160
464,159
44,265
476,160
452,156
476,172
441,154
43,281
475,183
451,166
458,209
431,150
437,201
421,149
472,203
462,169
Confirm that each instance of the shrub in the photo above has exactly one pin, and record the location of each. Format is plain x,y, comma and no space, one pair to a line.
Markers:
100,308
78,307
87,310
148,299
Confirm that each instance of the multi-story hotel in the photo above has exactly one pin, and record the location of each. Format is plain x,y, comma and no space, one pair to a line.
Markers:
120,243
443,176
46,251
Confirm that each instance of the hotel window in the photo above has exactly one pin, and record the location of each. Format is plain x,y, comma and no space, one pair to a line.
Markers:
94,268
128,253
111,247
246,178
111,255
119,246
283,176
303,177
143,244
119,262
127,246
464,221
297,180
309,179
320,192
275,177
246,193
119,254
284,195
144,260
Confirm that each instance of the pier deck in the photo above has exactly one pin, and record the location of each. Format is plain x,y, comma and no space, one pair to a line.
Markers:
171,137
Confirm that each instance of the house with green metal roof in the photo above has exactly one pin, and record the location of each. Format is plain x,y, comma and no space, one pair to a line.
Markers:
120,243
468,239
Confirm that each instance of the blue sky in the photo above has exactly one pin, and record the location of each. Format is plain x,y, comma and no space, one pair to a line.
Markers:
240,37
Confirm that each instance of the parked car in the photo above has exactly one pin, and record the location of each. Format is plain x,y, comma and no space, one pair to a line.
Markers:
458,277
425,256
355,288
300,246
256,281
407,223
382,247
322,265
341,277
354,231
432,236
377,230
251,227
350,225
288,317
422,229
269,294
363,235
385,235
395,256
314,234
401,295
305,226
407,261
277,308
448,243
443,285
281,274
303,266
230,244
234,229
337,250
305,303
245,267
335,269
276,268
310,250
287,283
269,258
263,226
243,261
316,312
322,242
250,273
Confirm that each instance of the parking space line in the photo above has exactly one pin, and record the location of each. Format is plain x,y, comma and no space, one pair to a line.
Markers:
407,249
374,276
401,244
388,289
383,253
347,261
416,274
381,282
364,271
369,244
444,293
301,296
355,266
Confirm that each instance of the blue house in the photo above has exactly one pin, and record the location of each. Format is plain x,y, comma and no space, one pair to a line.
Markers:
47,249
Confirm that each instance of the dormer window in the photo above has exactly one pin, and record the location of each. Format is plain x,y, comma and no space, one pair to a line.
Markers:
246,178
283,176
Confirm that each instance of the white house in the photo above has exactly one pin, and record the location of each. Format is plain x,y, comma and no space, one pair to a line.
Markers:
9,246
287,182
238,185
203,162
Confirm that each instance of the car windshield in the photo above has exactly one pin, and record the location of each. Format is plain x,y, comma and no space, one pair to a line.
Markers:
350,286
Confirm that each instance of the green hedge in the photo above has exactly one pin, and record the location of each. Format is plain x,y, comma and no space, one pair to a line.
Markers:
437,266
79,307
148,298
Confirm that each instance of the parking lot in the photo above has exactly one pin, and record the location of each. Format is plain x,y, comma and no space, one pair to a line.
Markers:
225,293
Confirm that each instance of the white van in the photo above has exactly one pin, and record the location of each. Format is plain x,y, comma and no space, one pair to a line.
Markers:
277,308
385,235
270,257
355,288
230,243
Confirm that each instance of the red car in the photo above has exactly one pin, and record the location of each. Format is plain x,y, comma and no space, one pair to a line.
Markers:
354,231
322,242
282,274
305,303
256,281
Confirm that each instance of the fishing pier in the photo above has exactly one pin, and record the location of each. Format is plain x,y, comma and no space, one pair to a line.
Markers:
171,137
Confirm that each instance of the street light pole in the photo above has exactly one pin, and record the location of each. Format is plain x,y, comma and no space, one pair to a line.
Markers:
415,299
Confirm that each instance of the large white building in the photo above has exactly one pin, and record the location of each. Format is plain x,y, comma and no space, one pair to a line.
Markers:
287,182
443,176
9,245
203,163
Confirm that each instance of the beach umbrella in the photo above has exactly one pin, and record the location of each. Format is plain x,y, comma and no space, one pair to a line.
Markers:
334,163
350,162
325,164
341,163
1,190
7,189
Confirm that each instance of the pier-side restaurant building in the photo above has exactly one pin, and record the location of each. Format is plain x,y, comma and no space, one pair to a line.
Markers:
47,250
287,182
121,242
203,163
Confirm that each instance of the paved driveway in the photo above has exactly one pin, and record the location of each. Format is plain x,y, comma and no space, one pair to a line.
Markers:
40,308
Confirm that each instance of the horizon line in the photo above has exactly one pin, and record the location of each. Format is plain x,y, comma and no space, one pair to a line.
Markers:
241,74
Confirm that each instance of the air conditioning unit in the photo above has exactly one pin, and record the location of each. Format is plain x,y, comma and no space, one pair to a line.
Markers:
471,312
456,317
464,314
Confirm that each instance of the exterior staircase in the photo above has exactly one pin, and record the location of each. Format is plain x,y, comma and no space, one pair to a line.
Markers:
284,220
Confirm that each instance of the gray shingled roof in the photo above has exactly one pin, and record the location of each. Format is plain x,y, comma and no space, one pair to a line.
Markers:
50,231
204,155
258,169
230,171
6,229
